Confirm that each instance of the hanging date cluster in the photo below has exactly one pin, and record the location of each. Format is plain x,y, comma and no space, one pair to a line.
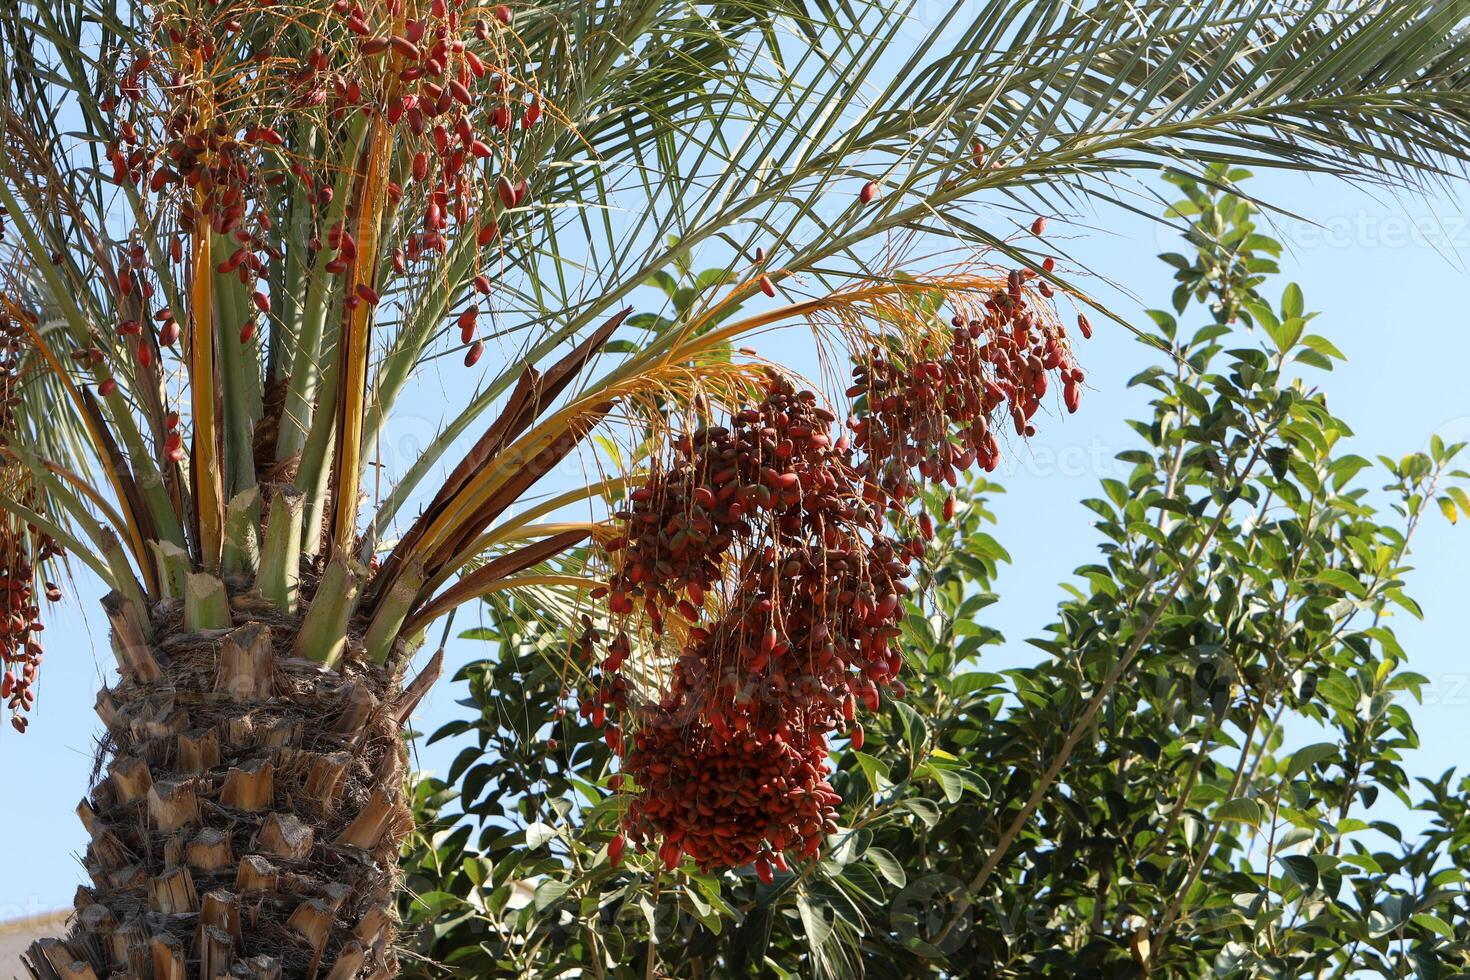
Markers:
754,699
803,632
777,543
775,471
23,550
932,414
727,802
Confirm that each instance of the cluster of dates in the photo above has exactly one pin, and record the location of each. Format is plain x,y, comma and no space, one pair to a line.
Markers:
772,542
728,802
20,644
221,154
775,472
934,414
22,549
811,629
731,761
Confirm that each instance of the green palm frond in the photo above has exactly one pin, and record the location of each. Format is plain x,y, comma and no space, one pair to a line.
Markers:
1064,98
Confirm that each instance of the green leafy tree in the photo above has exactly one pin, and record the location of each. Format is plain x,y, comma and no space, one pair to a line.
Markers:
1182,785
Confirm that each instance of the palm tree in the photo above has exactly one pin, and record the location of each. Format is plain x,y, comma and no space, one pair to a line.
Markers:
235,229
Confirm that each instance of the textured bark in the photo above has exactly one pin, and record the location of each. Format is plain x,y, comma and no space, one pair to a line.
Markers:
251,812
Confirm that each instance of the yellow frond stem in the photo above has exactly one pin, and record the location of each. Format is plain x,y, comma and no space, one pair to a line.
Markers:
533,531
209,498
522,581
505,535
446,602
511,462
353,346
863,313
519,527
890,302
511,529
554,504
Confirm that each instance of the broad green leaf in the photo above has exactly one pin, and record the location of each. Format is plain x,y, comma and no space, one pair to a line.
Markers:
1304,758
540,834
1303,870
550,892
1241,809
888,866
1434,924
817,918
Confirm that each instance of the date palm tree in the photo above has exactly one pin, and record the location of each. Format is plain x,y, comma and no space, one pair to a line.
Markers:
236,233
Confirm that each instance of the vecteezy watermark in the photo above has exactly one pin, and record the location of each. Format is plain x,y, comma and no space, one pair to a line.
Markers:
1371,229
1452,431
923,909
18,917
1446,690
1365,228
1043,459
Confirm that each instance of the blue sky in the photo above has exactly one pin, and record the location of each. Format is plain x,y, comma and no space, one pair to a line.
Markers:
1389,275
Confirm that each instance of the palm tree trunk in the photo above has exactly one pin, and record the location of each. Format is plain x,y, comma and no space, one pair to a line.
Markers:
251,812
